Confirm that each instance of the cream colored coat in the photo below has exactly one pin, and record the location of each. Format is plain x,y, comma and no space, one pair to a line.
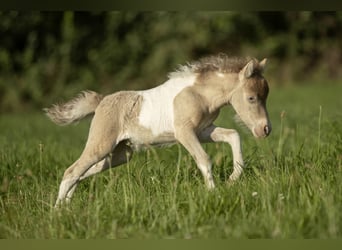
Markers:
181,110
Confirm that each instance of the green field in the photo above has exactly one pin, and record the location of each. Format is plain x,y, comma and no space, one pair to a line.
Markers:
291,187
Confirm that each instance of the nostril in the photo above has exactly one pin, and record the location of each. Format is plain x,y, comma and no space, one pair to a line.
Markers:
267,130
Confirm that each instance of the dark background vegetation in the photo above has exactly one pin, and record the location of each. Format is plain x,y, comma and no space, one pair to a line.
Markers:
49,56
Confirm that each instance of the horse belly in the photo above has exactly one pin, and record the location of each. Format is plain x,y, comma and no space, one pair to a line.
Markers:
141,137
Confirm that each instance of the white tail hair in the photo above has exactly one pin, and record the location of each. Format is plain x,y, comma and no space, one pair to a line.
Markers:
74,110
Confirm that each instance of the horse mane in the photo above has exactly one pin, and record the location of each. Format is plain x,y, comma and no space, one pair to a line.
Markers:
221,63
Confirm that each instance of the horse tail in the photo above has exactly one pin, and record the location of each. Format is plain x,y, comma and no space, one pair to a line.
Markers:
74,110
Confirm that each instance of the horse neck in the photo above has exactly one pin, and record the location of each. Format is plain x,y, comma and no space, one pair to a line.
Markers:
218,88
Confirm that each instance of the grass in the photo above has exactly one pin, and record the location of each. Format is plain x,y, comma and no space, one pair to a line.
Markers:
291,187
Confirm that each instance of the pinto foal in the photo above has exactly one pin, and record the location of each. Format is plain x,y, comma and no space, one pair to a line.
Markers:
181,110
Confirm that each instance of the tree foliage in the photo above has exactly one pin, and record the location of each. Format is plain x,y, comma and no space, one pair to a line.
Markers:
45,55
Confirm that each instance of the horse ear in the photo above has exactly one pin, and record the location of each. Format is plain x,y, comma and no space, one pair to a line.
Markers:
262,64
248,70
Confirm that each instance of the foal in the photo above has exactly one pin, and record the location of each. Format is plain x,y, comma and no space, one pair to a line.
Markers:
182,110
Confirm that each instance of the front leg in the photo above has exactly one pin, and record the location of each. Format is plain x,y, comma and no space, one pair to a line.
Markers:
217,134
190,112
189,139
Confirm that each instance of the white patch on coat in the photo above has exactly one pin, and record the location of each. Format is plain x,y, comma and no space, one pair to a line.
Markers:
219,74
157,106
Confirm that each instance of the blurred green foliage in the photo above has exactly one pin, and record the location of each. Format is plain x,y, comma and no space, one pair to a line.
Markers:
45,56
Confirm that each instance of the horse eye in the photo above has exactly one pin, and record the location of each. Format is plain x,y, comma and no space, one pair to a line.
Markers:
251,98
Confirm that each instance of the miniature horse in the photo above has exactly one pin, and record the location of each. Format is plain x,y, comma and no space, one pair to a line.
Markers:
181,110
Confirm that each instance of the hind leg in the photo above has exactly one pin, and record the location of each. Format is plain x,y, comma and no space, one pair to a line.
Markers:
102,139
73,174
120,155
